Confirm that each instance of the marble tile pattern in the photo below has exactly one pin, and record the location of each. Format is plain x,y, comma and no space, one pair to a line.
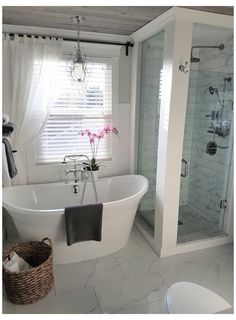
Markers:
195,226
206,183
133,280
188,133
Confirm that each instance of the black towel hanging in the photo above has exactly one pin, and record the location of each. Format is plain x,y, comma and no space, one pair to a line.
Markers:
10,159
83,223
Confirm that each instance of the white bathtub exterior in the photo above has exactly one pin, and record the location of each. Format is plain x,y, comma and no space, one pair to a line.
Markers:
38,212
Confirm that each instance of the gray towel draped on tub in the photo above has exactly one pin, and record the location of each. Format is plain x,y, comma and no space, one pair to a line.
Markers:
83,223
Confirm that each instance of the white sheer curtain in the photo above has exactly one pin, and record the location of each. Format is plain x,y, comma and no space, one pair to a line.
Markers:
29,77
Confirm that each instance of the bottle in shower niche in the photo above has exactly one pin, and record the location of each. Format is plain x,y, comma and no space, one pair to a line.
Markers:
225,128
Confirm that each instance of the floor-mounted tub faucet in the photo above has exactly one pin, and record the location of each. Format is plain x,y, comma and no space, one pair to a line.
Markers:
75,171
83,172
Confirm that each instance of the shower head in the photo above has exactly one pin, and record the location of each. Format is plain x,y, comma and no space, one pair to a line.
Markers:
213,90
194,59
221,46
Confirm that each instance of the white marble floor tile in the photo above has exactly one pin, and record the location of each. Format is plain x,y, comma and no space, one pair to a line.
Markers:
207,273
148,263
216,279
104,272
72,277
165,263
186,271
77,302
120,294
96,310
7,306
133,280
86,274
130,310
136,247
133,267
226,262
154,307
206,254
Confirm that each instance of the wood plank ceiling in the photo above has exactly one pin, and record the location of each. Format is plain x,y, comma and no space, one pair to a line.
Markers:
112,20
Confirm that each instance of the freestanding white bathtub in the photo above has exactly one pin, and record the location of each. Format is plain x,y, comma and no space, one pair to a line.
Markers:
38,212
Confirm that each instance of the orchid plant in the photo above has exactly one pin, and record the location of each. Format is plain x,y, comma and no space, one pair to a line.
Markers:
94,140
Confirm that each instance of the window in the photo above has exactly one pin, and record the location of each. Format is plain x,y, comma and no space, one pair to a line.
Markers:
75,109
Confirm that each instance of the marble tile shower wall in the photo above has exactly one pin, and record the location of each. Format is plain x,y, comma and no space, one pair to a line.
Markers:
209,173
189,118
149,120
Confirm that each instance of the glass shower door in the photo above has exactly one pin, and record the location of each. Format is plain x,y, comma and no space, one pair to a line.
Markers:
148,124
208,138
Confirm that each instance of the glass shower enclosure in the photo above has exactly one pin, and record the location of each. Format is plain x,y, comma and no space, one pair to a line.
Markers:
183,129
208,136
148,124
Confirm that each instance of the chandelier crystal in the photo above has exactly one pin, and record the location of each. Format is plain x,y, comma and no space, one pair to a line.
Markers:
77,63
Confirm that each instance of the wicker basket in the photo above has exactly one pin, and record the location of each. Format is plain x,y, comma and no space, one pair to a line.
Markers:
30,286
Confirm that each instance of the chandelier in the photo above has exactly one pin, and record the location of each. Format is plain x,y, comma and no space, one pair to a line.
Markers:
77,63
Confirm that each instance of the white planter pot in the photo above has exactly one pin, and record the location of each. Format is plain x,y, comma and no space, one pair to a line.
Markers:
95,175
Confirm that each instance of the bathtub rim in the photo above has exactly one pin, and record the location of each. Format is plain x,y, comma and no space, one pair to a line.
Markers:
60,211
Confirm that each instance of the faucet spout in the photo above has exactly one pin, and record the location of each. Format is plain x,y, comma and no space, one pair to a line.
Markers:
74,157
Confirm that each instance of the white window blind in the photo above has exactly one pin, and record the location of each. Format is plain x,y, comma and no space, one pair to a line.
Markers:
75,109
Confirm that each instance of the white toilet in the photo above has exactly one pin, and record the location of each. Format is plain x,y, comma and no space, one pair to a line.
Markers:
191,298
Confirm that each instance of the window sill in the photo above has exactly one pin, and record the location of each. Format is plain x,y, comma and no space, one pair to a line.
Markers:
55,172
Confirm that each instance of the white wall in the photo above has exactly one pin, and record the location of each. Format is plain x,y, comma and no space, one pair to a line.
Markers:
125,76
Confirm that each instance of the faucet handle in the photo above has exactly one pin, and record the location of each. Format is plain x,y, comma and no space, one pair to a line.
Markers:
75,188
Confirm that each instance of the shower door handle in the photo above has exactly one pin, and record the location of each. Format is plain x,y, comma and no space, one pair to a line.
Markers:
184,168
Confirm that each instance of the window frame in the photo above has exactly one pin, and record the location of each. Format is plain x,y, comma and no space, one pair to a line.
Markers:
103,54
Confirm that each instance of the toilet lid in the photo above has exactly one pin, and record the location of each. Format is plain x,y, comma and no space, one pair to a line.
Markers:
191,298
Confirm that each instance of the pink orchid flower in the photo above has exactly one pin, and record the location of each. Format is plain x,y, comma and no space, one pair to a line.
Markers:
95,137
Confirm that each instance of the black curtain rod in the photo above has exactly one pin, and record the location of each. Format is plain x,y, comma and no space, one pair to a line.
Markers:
127,44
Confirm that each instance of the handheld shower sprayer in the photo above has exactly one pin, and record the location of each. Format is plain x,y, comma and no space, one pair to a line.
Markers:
219,124
215,90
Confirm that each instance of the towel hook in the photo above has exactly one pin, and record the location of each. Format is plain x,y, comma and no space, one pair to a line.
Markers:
182,67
